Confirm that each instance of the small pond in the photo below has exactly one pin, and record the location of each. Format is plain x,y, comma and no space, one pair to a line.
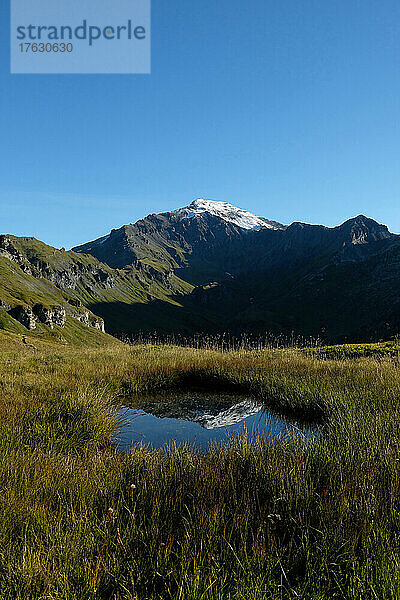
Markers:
199,418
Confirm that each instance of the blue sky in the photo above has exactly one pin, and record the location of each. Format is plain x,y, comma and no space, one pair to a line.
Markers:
288,109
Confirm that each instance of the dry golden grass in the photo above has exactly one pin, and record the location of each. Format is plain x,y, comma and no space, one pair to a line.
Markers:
248,521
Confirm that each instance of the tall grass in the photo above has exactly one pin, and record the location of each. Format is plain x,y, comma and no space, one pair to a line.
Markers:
226,341
291,519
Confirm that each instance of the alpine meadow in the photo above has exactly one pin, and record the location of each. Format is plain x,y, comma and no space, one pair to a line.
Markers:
199,300
258,515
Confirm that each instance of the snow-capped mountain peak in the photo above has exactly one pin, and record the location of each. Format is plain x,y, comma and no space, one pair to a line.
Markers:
227,212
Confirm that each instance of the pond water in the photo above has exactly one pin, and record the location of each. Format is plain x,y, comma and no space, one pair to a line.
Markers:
201,417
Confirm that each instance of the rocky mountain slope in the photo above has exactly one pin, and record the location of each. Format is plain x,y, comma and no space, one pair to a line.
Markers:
254,275
43,288
209,267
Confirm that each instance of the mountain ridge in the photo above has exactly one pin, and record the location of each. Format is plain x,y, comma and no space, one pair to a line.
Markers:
211,267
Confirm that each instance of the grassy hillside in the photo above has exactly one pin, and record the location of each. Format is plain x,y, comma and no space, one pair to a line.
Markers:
85,278
291,520
32,273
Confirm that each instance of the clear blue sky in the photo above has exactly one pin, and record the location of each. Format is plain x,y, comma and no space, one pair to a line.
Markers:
288,109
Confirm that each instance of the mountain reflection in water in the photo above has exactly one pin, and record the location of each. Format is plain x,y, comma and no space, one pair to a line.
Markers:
200,418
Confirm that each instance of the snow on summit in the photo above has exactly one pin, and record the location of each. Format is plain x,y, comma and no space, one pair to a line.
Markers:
227,212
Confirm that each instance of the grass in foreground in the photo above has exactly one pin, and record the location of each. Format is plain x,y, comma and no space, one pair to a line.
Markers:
290,520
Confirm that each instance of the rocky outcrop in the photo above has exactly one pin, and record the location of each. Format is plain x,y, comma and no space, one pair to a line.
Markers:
4,305
72,276
63,272
25,316
89,320
8,250
50,316
84,318
98,324
29,317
